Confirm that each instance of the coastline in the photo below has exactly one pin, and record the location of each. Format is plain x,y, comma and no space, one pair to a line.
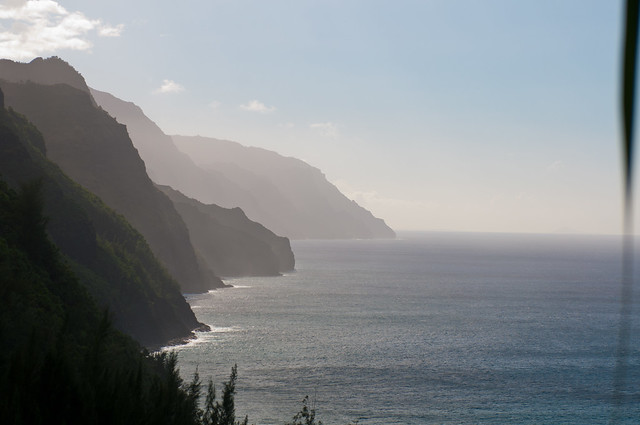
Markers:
181,340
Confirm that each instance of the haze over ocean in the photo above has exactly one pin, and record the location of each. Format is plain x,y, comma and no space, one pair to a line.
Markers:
428,328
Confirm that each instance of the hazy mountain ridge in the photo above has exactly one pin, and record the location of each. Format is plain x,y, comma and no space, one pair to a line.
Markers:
230,243
166,165
318,209
42,71
111,259
286,195
96,151
229,247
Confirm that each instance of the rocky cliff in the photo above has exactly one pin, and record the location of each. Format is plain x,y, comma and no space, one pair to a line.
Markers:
95,150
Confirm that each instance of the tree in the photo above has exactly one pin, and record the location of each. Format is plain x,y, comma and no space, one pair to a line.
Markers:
306,416
224,412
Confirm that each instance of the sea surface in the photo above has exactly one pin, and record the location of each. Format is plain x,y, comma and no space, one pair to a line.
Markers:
430,328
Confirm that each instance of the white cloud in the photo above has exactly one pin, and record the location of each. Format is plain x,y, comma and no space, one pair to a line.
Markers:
169,86
257,106
109,31
36,28
215,104
286,125
327,129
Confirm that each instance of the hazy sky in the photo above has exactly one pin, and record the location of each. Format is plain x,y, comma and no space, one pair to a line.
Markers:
435,115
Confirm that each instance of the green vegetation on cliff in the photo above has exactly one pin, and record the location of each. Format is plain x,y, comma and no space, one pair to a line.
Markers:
61,360
110,258
96,152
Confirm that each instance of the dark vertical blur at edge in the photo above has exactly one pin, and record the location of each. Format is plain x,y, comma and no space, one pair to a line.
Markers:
628,97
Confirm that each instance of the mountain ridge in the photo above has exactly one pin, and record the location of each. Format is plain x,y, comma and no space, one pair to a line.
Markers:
96,151
317,210
110,258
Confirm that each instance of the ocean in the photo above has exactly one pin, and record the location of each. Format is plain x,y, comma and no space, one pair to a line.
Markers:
429,328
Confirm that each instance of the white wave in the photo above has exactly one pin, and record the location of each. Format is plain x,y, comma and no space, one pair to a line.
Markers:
202,337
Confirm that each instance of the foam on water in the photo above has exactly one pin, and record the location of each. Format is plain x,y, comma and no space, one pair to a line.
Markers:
210,337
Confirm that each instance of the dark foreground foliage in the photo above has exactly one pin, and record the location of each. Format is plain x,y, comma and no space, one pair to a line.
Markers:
109,257
61,360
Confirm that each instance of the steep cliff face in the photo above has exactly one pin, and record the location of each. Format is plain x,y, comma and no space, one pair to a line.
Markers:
96,151
285,194
111,259
230,243
315,208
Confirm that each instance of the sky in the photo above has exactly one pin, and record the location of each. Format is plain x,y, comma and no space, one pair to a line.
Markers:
489,116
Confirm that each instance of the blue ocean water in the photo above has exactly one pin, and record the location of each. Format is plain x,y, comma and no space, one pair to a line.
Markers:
431,328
